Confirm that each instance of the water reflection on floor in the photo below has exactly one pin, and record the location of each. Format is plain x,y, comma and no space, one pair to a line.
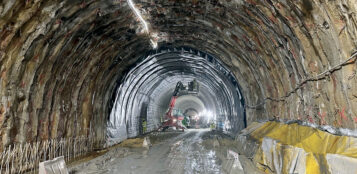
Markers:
188,152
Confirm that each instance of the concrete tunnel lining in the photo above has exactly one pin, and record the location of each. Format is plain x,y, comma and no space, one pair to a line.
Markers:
147,88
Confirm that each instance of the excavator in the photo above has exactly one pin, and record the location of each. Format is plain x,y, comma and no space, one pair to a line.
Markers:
180,89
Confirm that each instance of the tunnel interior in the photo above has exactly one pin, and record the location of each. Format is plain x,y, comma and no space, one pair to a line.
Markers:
89,72
61,61
144,94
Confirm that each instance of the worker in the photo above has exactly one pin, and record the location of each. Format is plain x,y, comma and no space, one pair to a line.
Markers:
186,121
144,124
212,126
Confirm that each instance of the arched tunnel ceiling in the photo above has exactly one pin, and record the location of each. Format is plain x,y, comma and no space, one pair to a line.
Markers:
144,94
188,102
60,60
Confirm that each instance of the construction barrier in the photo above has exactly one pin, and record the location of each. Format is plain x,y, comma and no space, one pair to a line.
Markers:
55,166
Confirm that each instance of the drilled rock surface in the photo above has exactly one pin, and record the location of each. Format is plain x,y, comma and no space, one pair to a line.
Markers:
60,60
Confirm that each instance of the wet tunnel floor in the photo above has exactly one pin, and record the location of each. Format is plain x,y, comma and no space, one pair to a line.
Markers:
192,151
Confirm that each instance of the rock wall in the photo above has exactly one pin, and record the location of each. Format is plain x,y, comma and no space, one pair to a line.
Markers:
60,60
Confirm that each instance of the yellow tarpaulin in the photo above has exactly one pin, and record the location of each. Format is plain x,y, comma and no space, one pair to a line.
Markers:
293,148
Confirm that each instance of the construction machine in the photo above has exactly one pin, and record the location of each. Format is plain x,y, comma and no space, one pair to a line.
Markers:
173,120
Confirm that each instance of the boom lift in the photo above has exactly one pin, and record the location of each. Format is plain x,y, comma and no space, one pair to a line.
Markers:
171,120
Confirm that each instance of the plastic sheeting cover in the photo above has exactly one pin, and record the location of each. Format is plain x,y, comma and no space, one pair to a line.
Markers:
145,92
294,148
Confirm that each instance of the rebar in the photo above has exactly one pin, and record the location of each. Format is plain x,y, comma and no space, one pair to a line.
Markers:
25,157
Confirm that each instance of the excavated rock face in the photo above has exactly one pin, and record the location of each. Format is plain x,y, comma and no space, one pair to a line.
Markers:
60,60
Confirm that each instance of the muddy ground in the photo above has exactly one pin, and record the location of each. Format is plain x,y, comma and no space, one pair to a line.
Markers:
192,151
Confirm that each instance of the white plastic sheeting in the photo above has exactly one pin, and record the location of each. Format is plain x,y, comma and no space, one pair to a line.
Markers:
145,92
339,164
